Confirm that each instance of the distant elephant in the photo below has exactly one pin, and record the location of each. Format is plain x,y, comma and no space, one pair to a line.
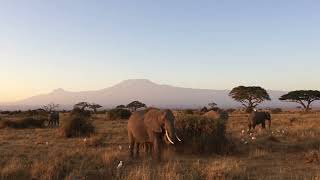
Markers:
54,119
149,128
256,118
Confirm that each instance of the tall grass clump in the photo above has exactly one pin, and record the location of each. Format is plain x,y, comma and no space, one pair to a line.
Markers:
23,123
14,169
79,123
201,135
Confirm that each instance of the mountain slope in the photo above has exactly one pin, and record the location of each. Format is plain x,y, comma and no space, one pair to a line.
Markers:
148,92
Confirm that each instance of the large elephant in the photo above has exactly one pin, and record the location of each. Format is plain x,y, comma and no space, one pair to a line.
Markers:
256,118
149,128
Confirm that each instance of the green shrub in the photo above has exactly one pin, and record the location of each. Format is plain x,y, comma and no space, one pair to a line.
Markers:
78,124
115,114
23,123
201,134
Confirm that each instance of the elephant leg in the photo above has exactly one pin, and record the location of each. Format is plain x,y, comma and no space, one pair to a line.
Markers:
131,144
137,150
249,126
269,124
156,147
263,125
149,148
254,126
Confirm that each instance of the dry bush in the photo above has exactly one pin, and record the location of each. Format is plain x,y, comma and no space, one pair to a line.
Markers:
77,124
172,170
116,114
14,170
79,164
201,134
95,141
293,120
225,168
56,168
23,123
312,157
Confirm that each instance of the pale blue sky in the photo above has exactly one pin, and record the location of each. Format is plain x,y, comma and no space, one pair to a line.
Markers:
216,44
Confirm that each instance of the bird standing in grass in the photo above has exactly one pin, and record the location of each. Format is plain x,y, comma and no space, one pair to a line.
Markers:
120,165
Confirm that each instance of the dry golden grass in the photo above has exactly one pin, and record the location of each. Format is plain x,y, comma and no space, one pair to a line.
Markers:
291,150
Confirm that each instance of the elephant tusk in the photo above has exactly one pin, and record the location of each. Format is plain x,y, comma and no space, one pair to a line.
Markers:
178,138
169,138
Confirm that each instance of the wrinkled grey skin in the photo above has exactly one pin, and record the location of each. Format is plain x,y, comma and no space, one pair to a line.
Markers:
148,128
54,119
256,118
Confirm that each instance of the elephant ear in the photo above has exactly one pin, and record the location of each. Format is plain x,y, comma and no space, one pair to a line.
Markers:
152,121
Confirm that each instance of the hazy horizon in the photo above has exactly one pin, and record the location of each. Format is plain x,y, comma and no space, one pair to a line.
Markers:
82,45
151,93
112,85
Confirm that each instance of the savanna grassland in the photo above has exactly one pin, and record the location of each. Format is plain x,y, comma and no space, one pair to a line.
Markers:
290,151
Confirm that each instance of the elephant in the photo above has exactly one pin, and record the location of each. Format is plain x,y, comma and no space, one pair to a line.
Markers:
54,119
149,128
256,118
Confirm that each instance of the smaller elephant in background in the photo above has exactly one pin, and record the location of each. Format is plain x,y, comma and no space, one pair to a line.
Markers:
54,119
257,118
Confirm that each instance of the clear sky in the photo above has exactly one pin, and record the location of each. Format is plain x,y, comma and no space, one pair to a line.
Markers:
215,44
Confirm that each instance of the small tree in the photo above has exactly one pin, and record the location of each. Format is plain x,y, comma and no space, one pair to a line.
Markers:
204,110
135,105
212,105
81,105
50,107
250,97
94,107
303,97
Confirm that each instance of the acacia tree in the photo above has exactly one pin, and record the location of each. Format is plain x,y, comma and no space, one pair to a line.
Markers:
94,107
250,97
302,97
136,105
81,105
50,107
212,105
